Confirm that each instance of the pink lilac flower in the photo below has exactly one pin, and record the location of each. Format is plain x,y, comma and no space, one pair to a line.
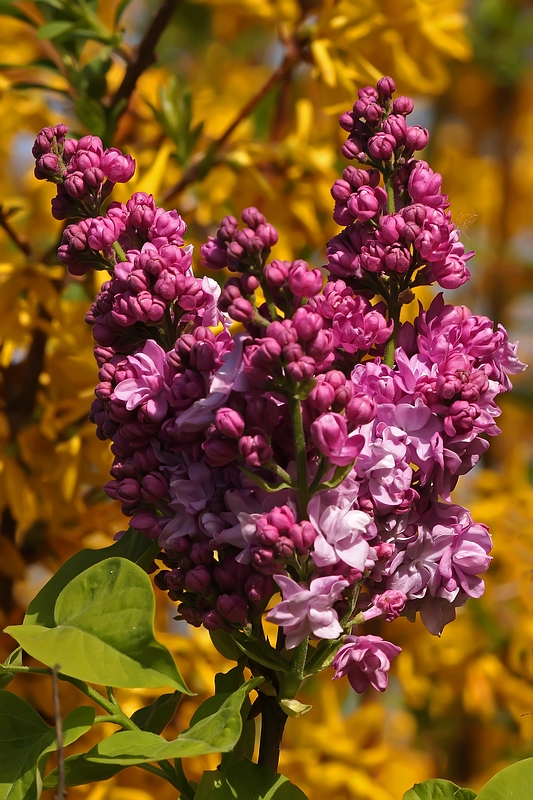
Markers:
307,612
366,660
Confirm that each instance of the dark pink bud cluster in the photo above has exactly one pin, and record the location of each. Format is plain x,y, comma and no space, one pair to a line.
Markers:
83,169
239,249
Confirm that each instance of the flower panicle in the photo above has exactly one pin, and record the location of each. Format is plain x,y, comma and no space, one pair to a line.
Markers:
312,448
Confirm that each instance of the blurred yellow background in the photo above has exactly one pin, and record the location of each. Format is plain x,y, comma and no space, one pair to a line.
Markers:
459,707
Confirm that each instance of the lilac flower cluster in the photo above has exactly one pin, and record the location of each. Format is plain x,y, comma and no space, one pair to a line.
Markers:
281,435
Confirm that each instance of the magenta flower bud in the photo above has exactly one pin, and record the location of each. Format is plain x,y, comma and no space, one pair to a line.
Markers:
322,396
198,580
354,148
192,616
262,413
330,435
303,535
241,310
361,409
91,143
154,487
384,550
373,113
174,579
253,218
304,282
268,235
142,209
346,121
258,587
267,354
219,452
397,259
386,87
284,547
292,351
234,608
277,272
403,105
396,126
228,229
117,167
266,534
301,370
389,605
48,166
201,554
213,621
147,522
461,417
307,323
229,423
281,517
255,449
416,138
282,332
366,202
367,92
93,177
230,573
264,559
381,146
104,231
341,191
213,254
76,186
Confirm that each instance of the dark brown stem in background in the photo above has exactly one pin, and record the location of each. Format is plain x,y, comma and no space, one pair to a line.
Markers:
273,720
21,242
195,170
144,55
61,791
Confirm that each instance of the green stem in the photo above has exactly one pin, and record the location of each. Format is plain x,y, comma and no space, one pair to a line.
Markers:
155,771
119,252
391,206
301,455
269,300
187,792
292,680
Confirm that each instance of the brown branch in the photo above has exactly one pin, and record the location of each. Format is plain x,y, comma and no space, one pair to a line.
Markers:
195,170
144,55
21,242
61,791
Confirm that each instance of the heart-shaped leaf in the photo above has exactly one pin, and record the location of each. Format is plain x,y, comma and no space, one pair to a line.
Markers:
512,783
247,780
438,789
103,630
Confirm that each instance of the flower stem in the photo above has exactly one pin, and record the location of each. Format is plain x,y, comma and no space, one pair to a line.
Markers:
273,720
301,455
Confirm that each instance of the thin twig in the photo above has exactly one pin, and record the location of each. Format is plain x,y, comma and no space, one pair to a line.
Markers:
61,791
144,55
21,242
195,170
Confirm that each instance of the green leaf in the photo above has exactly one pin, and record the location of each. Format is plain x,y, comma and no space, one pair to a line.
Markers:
217,733
78,772
25,742
157,715
247,780
512,783
52,30
438,789
230,681
225,644
261,653
107,612
294,708
43,86
6,674
133,546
